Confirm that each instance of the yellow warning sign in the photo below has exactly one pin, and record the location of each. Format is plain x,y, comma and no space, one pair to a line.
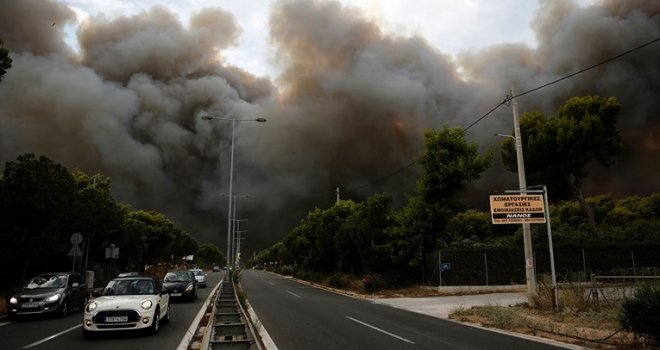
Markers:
517,209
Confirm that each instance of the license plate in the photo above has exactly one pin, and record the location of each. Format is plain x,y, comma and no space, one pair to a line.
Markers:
116,319
29,305
176,294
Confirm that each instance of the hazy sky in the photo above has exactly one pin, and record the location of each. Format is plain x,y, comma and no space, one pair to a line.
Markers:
448,25
348,87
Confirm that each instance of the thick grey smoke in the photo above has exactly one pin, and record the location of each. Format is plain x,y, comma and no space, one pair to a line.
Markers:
349,108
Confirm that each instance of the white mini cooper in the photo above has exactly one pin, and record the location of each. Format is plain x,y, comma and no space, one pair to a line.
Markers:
128,303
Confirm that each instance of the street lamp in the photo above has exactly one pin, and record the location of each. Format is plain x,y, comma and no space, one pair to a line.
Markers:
231,173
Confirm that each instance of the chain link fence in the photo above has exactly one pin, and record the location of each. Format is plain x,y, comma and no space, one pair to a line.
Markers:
505,266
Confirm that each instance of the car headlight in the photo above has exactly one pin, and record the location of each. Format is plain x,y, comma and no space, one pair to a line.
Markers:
52,298
91,306
147,304
189,288
13,300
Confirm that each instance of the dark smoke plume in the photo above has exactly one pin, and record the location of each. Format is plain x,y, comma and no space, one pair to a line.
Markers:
348,109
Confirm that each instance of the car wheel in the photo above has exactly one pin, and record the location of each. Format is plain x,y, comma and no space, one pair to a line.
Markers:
64,308
155,325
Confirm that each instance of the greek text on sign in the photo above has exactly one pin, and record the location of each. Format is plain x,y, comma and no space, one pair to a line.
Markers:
517,209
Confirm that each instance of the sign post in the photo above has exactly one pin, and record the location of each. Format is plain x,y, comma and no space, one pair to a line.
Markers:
526,207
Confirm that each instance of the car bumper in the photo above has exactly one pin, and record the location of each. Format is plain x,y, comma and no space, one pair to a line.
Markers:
36,309
114,320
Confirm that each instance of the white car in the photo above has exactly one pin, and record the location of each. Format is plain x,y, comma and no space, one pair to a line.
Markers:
127,303
200,276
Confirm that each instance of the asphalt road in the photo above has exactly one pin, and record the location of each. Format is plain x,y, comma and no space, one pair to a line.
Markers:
298,316
45,333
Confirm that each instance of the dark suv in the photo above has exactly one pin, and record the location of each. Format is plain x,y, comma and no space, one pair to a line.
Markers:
49,293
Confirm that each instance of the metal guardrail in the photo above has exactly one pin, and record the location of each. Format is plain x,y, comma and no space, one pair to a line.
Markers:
231,328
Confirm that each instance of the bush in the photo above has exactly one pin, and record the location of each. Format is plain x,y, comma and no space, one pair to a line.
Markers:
372,283
397,279
339,280
641,314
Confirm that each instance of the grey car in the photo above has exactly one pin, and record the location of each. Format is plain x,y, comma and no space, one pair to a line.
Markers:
49,293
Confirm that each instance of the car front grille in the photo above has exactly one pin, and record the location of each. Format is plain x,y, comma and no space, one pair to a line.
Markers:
99,318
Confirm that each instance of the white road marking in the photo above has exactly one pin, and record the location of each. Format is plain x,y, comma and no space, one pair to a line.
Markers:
271,283
380,330
51,337
4,323
294,294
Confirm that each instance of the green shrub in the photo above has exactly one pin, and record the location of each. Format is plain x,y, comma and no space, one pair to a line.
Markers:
372,283
398,279
339,280
641,314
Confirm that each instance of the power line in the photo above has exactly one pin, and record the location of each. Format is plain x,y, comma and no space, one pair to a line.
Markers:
509,98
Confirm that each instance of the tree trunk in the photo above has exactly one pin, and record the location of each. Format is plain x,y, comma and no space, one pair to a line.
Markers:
595,231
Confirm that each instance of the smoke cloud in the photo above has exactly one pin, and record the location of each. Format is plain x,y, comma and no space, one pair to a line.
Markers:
349,108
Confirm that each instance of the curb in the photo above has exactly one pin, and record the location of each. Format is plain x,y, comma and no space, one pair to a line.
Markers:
190,333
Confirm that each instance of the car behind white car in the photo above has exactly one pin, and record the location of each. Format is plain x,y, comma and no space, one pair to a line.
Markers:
200,276
128,303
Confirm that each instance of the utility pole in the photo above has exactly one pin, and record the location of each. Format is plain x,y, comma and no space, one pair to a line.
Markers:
527,235
337,195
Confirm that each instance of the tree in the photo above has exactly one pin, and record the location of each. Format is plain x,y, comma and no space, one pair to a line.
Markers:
5,60
36,195
364,231
449,165
156,231
184,244
558,149
209,254
94,212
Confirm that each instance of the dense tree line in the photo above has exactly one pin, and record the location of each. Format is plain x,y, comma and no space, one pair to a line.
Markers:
42,204
372,237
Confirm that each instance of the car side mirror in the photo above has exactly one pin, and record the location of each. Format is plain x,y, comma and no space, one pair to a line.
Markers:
163,291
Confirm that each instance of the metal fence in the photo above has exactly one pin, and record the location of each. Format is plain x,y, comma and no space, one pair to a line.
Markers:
500,266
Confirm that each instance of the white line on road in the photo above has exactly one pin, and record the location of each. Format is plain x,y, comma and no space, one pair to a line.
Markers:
380,330
294,294
271,283
4,323
52,337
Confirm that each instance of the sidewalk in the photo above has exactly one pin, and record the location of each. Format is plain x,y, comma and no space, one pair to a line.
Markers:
442,306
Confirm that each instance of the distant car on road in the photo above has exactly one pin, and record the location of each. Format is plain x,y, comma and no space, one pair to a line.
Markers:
200,276
216,268
49,293
181,285
128,303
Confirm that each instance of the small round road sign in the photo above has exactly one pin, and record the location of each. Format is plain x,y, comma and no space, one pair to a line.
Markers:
76,238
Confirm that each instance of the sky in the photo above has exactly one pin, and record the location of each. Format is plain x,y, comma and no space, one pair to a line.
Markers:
348,89
450,26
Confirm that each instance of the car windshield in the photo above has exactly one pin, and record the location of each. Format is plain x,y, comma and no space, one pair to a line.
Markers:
182,276
129,287
46,281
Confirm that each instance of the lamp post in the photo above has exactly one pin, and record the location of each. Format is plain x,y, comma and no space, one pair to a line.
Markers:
231,173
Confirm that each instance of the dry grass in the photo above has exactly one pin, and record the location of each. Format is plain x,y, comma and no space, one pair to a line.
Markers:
580,328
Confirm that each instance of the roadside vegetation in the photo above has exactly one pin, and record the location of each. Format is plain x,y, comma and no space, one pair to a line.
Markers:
372,248
42,204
